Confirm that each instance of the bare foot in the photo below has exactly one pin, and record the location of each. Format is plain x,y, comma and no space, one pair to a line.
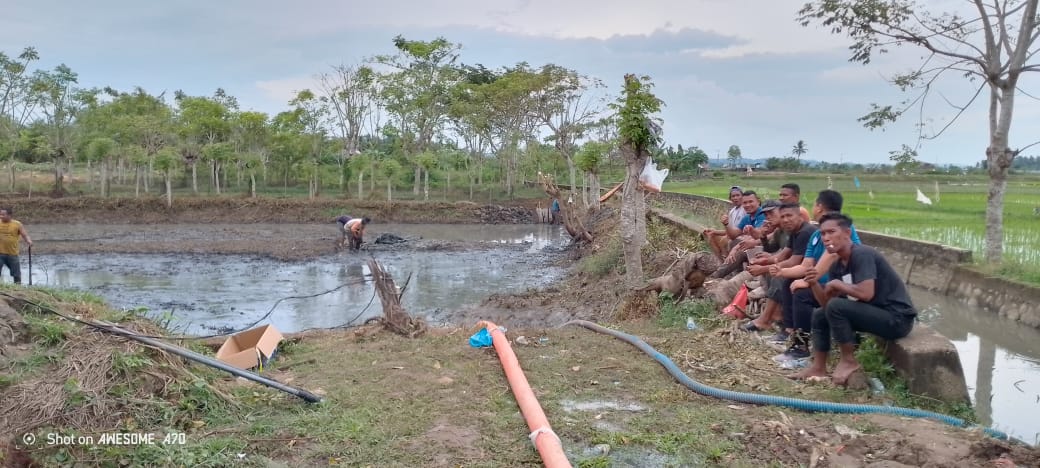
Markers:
808,373
844,370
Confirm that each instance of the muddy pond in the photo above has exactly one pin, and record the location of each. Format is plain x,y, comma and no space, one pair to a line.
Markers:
443,269
440,269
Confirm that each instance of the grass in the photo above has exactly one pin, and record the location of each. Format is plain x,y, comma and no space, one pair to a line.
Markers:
888,205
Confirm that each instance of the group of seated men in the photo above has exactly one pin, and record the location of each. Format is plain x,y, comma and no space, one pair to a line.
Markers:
821,282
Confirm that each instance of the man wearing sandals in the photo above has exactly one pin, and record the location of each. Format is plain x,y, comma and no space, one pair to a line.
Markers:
864,294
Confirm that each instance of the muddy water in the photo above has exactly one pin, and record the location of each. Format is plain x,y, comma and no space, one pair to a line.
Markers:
206,292
1001,361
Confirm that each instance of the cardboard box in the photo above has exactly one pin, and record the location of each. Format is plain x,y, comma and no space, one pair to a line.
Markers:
251,348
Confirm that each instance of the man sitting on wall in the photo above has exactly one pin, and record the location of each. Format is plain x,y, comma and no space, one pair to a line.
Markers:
719,239
864,294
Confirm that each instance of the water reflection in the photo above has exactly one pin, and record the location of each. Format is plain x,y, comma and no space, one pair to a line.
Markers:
1001,361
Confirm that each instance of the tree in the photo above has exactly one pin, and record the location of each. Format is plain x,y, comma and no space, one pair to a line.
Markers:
166,160
733,154
588,159
20,93
566,108
905,159
427,161
992,45
638,132
390,168
101,150
201,121
61,102
351,91
417,93
798,150
313,116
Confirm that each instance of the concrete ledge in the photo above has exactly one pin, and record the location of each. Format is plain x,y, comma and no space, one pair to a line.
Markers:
929,364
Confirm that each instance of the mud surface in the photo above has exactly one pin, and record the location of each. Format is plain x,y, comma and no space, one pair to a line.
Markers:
216,277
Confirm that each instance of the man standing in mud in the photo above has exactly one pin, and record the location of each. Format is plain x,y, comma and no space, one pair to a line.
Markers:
864,294
356,228
11,232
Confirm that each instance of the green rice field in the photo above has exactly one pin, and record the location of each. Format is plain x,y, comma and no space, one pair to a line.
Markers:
886,204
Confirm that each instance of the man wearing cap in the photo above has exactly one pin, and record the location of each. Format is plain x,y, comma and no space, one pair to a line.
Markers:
718,239
772,239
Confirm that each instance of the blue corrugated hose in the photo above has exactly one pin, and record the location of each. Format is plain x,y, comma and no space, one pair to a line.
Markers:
796,403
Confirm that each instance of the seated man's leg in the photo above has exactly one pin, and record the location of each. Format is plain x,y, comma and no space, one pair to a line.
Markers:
846,317
728,268
821,343
802,318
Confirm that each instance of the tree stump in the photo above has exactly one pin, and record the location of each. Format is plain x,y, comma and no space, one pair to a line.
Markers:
394,317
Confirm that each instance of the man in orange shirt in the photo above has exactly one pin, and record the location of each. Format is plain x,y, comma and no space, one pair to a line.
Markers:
356,228
792,193
10,232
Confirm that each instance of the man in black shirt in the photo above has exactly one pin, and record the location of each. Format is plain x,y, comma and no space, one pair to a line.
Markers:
864,294
799,233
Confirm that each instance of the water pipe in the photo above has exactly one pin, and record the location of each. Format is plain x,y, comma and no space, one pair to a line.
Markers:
796,403
545,440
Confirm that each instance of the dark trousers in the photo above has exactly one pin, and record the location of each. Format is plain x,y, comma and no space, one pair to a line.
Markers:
842,318
799,315
11,262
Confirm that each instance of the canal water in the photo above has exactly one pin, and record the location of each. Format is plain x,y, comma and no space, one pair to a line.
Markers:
203,294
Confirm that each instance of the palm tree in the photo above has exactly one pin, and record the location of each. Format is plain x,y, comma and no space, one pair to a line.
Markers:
798,150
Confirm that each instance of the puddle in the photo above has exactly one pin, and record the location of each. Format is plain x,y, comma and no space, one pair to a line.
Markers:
571,406
1001,361
205,292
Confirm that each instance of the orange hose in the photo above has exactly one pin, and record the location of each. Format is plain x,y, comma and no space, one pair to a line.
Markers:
545,440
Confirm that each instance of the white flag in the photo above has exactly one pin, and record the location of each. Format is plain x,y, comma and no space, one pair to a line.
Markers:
921,197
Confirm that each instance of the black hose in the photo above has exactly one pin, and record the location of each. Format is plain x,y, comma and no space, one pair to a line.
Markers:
188,354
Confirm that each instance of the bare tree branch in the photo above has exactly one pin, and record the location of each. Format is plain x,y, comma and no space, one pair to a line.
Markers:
960,110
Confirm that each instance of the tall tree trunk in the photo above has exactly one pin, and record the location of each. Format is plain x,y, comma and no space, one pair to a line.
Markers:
418,176
632,210
388,194
168,177
104,178
137,181
360,184
426,185
10,172
998,160
216,177
194,177
90,176
594,190
252,185
59,177
148,176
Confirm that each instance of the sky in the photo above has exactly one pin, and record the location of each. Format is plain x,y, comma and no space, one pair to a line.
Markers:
735,72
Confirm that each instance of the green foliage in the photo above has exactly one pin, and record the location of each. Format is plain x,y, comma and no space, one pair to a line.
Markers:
673,315
905,159
46,332
635,110
603,261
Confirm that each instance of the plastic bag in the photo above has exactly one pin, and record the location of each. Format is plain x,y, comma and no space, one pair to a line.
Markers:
481,339
736,308
652,178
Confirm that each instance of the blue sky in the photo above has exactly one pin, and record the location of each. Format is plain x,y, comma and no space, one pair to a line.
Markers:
730,72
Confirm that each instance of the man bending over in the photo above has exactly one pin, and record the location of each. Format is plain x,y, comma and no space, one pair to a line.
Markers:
864,294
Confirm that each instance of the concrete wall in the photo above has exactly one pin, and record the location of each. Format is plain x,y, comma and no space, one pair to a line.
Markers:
943,269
